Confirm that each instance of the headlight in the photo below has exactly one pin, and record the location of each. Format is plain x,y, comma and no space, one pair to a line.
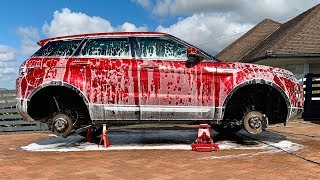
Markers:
290,76
23,71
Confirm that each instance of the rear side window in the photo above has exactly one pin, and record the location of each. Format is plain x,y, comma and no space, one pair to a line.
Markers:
106,47
46,49
161,48
59,48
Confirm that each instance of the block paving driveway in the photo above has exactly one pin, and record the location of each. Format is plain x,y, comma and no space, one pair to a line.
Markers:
246,162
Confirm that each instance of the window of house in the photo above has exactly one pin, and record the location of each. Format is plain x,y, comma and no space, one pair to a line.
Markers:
161,48
106,47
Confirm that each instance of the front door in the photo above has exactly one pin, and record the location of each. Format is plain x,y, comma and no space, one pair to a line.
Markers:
168,89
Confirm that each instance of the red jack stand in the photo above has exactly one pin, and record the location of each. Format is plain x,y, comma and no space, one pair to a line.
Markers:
104,137
204,142
89,136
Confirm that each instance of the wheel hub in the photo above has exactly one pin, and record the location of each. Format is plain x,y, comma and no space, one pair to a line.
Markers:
255,122
60,124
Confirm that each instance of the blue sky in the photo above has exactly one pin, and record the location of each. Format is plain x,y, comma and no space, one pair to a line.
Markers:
212,24
20,13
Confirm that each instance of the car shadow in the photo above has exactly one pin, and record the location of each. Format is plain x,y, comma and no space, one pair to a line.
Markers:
153,136
166,136
244,138
315,122
185,136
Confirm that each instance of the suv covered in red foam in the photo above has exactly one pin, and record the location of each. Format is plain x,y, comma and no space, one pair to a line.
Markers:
76,82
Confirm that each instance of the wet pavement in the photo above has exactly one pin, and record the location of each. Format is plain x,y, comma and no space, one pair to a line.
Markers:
165,153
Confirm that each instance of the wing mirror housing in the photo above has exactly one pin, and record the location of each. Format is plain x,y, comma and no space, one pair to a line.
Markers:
194,56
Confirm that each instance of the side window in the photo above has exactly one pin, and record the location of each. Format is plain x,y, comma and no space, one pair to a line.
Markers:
161,48
65,48
58,48
46,49
109,47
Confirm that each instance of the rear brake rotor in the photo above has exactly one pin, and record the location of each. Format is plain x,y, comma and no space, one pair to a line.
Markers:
62,124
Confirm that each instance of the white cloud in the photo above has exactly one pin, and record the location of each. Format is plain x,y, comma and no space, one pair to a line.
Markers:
8,70
243,10
199,29
144,3
64,22
29,38
217,23
7,53
7,77
130,27
67,22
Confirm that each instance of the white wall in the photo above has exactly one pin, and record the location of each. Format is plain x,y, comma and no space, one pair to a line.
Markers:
298,66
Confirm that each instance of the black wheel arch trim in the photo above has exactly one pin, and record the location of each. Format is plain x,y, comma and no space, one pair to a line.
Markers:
60,84
262,82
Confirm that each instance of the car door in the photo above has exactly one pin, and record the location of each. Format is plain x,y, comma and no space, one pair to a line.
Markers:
111,83
168,89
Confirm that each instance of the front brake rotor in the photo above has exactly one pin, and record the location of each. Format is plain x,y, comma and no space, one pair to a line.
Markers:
253,122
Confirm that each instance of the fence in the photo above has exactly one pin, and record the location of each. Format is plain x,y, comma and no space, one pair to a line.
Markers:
312,97
10,119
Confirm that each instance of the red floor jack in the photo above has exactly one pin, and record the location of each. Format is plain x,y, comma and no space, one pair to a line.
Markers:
89,136
104,137
204,142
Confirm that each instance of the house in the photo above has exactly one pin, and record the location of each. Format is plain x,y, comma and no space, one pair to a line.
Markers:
294,45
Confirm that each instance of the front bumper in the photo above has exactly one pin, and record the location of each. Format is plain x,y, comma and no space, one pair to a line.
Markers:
22,107
295,113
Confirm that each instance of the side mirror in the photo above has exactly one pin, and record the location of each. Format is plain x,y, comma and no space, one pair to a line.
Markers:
194,57
194,54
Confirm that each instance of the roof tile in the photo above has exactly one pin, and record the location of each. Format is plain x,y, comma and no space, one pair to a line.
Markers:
296,37
247,42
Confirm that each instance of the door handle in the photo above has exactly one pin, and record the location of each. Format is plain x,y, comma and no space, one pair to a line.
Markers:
81,63
149,66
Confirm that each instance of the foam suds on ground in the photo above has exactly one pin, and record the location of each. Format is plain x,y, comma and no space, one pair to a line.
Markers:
164,139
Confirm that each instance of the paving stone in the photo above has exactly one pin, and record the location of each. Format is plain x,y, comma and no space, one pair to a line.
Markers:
16,163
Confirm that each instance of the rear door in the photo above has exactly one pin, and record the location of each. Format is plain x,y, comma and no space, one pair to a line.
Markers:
111,83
